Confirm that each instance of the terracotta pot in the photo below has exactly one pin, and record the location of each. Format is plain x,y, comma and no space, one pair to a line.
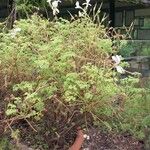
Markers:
78,141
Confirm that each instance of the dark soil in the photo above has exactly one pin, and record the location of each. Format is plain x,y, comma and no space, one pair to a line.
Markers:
108,141
60,134
98,140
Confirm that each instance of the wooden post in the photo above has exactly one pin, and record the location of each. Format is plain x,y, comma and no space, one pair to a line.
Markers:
12,15
112,13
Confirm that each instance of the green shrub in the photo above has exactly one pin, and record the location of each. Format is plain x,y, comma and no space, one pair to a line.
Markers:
129,48
69,58
68,62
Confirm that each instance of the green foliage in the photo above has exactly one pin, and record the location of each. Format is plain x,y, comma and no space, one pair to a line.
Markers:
136,47
135,113
30,104
145,51
68,62
126,48
5,144
26,7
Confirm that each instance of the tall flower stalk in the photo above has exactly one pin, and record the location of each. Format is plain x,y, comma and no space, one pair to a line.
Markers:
54,6
83,10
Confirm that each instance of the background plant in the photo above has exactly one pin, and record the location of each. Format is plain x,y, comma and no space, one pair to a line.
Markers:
134,48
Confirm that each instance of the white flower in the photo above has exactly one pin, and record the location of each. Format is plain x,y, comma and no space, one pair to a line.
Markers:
86,136
55,3
117,59
87,3
78,5
120,69
54,6
55,11
17,30
80,14
14,32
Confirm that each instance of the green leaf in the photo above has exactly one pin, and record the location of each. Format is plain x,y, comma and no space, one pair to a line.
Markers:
10,112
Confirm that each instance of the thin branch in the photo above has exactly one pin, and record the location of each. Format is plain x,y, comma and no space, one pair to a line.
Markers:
30,125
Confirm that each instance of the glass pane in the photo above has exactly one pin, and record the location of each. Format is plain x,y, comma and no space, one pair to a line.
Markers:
119,19
136,22
141,22
129,18
143,34
147,22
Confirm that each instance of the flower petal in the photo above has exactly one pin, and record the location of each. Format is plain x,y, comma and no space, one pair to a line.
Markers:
77,5
116,59
120,69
